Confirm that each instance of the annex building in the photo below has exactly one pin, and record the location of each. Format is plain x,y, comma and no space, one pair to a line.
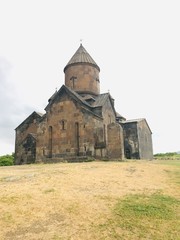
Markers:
81,123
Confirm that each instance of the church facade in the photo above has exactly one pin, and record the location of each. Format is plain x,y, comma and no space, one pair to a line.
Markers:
81,123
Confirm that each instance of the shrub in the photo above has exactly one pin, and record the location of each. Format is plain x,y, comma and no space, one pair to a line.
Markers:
7,160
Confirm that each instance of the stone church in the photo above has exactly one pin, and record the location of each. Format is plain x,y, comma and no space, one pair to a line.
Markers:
80,123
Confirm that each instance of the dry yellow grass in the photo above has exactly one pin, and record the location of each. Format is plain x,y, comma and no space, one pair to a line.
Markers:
69,200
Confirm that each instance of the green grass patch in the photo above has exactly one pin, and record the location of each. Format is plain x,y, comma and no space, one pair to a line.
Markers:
171,162
156,206
142,216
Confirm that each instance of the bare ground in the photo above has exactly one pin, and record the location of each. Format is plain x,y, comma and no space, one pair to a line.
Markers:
69,200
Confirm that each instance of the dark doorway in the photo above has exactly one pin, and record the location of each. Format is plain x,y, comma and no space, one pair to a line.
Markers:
128,153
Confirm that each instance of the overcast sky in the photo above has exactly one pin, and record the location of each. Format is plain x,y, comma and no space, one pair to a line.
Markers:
136,44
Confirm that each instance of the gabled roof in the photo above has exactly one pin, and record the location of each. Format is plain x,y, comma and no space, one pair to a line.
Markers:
136,121
88,97
54,94
67,89
75,96
120,116
33,115
81,56
100,100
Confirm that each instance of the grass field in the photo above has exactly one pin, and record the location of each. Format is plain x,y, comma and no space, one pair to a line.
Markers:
91,201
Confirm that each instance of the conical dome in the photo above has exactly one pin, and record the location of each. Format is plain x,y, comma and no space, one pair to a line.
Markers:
81,56
82,73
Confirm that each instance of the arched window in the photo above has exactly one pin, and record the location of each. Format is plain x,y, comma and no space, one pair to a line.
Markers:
63,124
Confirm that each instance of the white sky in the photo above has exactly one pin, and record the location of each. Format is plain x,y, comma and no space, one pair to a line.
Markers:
136,44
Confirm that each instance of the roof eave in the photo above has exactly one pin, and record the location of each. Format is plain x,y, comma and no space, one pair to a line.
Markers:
81,63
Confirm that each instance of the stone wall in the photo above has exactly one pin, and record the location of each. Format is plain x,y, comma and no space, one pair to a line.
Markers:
68,130
131,144
137,140
25,144
145,141
115,141
83,78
